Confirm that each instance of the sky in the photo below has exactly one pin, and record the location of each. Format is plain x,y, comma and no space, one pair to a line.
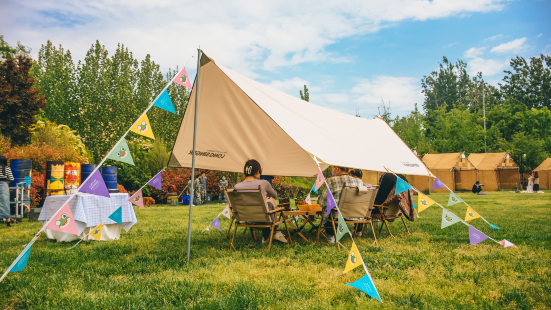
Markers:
353,55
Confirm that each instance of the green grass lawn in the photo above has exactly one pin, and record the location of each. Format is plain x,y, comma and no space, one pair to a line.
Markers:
431,268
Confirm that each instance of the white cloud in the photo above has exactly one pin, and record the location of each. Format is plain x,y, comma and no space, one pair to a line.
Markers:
293,86
488,67
474,52
342,98
539,35
514,46
451,44
499,36
401,92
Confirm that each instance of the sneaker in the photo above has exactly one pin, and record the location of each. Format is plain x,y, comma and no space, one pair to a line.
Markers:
359,234
280,237
265,240
331,239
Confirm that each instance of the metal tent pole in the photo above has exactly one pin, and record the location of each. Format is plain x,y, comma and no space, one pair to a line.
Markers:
484,111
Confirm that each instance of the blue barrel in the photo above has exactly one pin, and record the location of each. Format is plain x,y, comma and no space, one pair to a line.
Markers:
85,171
21,170
109,175
185,200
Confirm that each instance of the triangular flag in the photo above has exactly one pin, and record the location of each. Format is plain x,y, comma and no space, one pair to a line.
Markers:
157,181
493,226
164,102
206,229
449,218
365,284
314,188
216,223
506,243
308,200
143,127
342,228
437,184
22,262
117,216
330,202
476,236
320,179
64,221
226,212
95,185
424,202
182,78
137,198
453,199
354,259
471,214
121,152
96,232
401,186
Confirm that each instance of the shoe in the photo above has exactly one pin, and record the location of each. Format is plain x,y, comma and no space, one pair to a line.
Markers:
265,240
359,234
331,239
280,237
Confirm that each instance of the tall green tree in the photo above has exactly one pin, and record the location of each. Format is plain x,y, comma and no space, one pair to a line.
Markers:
529,83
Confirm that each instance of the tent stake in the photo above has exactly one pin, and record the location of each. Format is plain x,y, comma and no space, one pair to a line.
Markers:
193,155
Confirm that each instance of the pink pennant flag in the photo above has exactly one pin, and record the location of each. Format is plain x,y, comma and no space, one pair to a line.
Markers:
226,212
308,200
182,78
64,221
137,199
437,184
507,244
320,179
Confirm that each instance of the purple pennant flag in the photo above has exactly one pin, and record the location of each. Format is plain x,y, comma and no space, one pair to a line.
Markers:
215,223
95,185
476,236
157,182
437,184
330,202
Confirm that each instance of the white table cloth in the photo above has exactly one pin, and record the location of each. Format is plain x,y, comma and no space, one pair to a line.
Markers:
89,211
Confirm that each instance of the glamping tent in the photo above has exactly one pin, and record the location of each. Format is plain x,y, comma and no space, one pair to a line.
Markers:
420,182
496,170
240,119
544,172
453,169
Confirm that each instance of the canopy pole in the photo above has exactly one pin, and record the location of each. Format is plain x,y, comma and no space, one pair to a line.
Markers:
193,155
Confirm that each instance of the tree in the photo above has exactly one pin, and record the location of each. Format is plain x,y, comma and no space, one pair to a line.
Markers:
305,96
530,83
411,130
20,101
447,86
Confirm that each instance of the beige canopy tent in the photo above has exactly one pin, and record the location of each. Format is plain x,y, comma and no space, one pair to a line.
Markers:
240,119
496,170
453,169
544,173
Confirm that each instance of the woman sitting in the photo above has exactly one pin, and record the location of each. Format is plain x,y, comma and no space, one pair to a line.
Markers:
252,171
341,176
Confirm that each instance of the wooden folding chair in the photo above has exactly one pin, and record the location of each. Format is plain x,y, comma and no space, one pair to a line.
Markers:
249,206
355,202
390,212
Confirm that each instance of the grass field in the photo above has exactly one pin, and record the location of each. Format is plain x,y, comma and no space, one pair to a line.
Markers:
431,268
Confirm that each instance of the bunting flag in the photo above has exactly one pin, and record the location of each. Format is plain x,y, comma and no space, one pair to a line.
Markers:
22,263
143,127
137,198
366,285
226,212
354,259
164,102
471,214
424,202
64,221
314,188
121,152
319,180
453,199
330,202
206,229
96,232
476,236
216,223
157,181
401,186
449,218
182,78
493,226
117,216
437,184
308,200
342,228
95,185
507,244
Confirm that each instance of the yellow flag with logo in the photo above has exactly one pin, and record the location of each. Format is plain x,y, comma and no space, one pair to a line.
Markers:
143,127
354,259
96,232
424,202
471,214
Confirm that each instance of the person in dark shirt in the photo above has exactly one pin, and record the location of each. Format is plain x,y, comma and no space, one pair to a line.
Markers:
477,187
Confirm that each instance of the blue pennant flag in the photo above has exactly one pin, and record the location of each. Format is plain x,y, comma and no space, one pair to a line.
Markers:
493,226
401,186
164,102
365,284
414,207
117,216
22,263
314,188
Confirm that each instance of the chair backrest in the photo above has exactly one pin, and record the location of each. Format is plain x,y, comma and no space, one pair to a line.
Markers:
357,201
248,205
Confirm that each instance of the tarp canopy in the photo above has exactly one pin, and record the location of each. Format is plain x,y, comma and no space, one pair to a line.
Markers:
546,165
240,119
492,161
447,161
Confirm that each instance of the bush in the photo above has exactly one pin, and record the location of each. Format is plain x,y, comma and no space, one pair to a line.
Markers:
37,189
286,189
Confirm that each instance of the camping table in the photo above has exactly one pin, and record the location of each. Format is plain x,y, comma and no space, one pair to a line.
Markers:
293,214
89,211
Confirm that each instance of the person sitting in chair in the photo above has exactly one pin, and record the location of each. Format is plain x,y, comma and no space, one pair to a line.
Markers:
341,176
477,187
252,171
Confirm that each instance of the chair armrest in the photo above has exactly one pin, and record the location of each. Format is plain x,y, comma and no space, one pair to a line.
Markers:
276,210
380,206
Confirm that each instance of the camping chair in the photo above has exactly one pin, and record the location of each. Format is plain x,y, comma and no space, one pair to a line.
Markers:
355,202
249,205
390,212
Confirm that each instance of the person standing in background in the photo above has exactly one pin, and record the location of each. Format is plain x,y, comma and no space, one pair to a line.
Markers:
536,182
223,183
5,177
204,186
530,186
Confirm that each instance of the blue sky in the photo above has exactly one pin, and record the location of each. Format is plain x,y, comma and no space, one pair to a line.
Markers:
351,54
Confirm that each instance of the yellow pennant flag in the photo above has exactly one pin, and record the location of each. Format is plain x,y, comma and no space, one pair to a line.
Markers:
471,214
424,202
96,232
143,127
354,259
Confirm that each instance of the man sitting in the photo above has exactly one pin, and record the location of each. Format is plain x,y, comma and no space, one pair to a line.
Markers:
477,187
